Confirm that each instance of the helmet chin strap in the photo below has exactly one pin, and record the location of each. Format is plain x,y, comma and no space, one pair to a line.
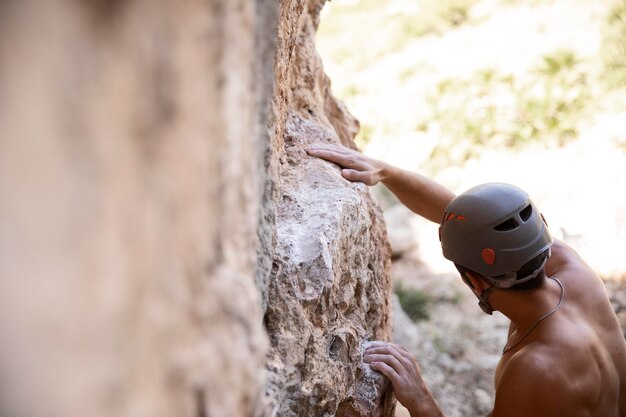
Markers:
483,300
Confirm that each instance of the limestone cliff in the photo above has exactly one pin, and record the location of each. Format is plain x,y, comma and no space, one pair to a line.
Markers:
166,246
328,290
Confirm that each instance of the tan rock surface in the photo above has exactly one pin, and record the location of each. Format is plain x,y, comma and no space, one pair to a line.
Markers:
329,287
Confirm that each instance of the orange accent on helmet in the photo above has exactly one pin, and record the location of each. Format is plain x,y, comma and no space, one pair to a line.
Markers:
488,255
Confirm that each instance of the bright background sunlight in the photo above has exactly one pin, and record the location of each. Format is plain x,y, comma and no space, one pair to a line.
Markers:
528,92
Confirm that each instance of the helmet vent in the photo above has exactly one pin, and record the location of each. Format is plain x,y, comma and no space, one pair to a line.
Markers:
525,214
507,225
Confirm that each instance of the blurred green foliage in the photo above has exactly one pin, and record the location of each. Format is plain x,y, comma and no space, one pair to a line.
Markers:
372,43
414,302
391,27
614,46
417,304
491,110
395,23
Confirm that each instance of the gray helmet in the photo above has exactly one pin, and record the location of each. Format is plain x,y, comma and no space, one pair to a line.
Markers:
494,229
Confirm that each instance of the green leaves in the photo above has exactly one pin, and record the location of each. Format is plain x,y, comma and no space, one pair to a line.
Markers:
493,110
414,302
614,47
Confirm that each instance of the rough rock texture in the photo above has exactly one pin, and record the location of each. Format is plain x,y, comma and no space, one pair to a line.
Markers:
329,284
130,175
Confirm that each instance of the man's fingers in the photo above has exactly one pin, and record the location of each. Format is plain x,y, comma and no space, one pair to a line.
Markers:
390,349
340,155
387,359
386,370
325,154
405,353
354,175
321,151
339,159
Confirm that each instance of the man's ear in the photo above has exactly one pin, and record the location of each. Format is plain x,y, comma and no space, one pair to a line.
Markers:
478,282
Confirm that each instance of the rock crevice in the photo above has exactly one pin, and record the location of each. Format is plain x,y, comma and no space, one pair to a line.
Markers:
329,289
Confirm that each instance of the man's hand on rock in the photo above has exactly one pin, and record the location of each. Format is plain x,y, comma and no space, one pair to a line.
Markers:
355,166
401,367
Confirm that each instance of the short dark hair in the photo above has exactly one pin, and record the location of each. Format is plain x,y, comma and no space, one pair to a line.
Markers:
526,269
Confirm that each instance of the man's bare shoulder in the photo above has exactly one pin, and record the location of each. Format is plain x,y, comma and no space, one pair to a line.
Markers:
564,259
581,282
533,382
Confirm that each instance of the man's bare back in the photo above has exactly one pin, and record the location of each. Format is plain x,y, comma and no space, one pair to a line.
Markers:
573,364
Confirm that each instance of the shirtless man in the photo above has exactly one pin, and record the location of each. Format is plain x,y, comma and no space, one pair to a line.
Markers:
565,355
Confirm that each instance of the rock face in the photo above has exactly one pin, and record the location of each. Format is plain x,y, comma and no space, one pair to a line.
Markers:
167,248
328,291
329,285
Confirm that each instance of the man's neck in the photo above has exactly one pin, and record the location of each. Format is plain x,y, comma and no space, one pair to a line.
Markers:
524,308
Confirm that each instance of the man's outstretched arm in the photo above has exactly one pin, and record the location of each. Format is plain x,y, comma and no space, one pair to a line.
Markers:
417,192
